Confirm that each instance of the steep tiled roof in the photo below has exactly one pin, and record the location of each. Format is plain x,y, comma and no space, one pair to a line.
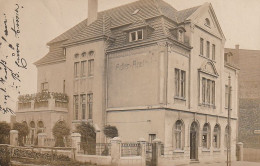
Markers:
184,14
55,54
113,18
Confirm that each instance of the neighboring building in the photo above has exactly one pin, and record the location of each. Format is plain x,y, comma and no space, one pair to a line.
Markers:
249,95
146,68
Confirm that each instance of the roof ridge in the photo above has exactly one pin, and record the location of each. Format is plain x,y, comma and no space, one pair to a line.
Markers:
189,8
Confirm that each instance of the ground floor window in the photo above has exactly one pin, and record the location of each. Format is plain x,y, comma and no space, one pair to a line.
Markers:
178,135
206,136
216,136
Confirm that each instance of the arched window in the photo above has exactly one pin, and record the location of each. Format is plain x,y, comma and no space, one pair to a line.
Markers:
76,55
179,135
216,136
207,22
83,54
32,124
206,136
40,126
91,53
226,136
180,35
24,122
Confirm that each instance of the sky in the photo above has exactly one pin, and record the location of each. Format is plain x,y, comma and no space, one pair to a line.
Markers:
42,20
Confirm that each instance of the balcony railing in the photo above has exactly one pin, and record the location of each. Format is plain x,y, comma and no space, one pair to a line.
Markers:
49,100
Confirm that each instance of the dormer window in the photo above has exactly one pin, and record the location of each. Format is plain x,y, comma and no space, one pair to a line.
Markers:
136,35
207,22
76,56
180,35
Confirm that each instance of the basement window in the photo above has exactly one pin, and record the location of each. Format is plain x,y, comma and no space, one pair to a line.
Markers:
136,35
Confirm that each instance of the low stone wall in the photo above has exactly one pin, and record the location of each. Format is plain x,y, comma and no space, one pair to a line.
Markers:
99,160
251,154
131,161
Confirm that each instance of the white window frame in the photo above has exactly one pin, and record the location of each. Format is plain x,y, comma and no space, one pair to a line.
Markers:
181,35
136,35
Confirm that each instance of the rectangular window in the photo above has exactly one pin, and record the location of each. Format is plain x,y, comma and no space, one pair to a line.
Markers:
132,36
183,75
45,86
213,52
152,137
203,90
90,105
76,107
91,67
64,86
136,35
208,49
180,81
213,93
76,69
177,82
83,105
83,68
201,46
208,91
226,96
140,35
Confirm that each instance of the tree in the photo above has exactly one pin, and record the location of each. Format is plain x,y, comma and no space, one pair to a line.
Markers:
4,132
110,131
60,130
88,137
23,131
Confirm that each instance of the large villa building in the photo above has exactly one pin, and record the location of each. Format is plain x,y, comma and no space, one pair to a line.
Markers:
148,69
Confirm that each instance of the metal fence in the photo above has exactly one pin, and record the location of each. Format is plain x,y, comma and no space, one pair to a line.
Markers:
99,149
130,149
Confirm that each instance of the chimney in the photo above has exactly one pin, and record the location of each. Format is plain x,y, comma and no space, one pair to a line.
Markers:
236,56
92,11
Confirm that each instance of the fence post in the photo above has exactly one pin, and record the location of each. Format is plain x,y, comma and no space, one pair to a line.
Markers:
14,137
115,150
41,138
142,143
156,151
75,139
240,151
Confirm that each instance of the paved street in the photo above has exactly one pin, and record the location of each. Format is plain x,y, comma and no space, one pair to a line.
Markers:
237,163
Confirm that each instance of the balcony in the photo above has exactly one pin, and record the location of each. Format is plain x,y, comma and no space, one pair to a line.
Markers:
43,101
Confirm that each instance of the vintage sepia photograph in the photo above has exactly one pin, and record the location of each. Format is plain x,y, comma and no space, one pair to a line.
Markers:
129,82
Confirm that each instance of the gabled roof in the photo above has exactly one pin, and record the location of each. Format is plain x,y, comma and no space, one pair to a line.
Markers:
112,18
184,14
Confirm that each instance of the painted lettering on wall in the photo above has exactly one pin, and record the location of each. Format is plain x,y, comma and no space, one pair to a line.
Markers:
135,63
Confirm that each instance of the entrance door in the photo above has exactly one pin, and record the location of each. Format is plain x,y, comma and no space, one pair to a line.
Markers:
193,146
194,141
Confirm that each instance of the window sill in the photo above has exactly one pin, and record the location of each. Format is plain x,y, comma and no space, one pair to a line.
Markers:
227,108
207,58
205,150
207,105
178,151
180,98
216,150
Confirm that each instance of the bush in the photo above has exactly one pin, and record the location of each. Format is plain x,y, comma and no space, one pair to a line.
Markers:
88,137
4,132
60,130
23,131
110,131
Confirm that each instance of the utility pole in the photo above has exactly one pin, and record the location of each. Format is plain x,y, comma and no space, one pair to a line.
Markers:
229,127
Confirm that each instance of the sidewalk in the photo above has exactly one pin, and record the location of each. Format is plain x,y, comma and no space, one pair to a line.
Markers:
235,163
